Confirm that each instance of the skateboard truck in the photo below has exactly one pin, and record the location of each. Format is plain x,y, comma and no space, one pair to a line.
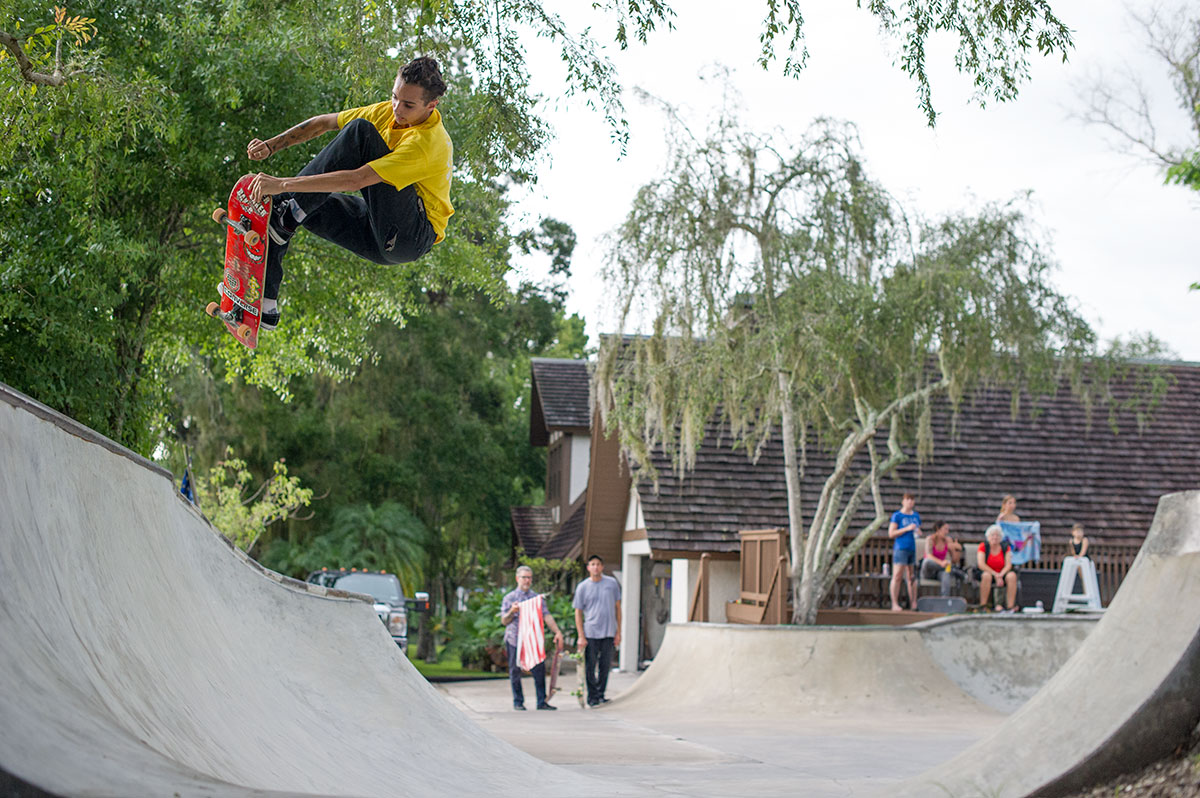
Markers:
242,228
232,316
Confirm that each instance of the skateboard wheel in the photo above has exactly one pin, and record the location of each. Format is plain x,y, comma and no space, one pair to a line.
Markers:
243,330
212,309
219,215
251,238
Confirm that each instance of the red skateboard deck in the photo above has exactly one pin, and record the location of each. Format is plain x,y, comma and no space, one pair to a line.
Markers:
246,243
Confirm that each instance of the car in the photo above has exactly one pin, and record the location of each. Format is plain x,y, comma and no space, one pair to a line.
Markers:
390,604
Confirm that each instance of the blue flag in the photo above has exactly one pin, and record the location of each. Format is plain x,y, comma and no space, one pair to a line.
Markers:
187,488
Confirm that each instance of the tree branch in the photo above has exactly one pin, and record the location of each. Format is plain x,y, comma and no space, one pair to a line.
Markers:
56,78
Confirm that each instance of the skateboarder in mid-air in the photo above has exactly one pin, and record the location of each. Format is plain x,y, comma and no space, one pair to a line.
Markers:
396,153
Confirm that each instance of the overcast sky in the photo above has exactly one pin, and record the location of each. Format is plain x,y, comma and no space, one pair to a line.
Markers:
1128,245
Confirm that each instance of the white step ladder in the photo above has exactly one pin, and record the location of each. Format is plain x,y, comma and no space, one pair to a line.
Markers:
1089,599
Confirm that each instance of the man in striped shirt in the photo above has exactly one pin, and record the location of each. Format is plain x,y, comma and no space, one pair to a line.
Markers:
509,615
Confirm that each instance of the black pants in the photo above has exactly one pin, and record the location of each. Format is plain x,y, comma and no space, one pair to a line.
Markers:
597,657
514,675
384,225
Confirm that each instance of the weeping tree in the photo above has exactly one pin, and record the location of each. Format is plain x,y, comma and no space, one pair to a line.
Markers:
785,293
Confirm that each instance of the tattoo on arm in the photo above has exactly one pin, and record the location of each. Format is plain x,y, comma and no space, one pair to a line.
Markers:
305,131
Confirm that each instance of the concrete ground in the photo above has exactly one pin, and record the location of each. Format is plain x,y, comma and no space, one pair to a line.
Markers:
690,754
142,655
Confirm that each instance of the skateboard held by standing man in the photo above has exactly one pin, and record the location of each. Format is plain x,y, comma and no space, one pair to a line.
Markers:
598,624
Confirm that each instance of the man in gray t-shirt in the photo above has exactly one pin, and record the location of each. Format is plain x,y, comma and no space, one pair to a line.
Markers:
598,623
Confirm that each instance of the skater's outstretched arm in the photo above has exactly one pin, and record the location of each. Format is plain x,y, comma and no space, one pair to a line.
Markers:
259,150
345,180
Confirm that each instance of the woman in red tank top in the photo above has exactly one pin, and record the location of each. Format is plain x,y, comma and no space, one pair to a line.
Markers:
995,561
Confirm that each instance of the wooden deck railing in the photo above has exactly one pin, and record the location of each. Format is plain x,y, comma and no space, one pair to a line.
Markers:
1113,560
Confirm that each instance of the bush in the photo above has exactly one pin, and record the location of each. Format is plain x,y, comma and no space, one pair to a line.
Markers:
477,636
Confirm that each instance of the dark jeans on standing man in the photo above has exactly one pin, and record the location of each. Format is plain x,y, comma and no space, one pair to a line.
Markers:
384,225
597,657
514,675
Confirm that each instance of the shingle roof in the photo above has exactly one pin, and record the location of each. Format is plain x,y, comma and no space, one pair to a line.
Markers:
533,526
568,538
1061,471
561,398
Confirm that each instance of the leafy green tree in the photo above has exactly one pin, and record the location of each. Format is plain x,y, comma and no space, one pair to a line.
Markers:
995,40
436,423
384,538
785,295
107,180
222,494
116,155
38,53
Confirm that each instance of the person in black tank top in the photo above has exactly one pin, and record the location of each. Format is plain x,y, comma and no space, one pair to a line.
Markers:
1079,543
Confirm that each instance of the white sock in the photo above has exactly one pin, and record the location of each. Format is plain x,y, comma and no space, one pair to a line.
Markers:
269,305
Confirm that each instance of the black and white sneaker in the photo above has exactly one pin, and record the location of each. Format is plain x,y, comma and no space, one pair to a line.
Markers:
269,320
282,225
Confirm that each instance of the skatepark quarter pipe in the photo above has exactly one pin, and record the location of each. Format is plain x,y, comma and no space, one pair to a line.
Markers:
141,655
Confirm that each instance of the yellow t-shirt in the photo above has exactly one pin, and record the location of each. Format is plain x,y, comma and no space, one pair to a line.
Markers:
422,155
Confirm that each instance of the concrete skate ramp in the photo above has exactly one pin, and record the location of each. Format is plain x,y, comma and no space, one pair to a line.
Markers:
1003,660
1128,696
142,656
950,665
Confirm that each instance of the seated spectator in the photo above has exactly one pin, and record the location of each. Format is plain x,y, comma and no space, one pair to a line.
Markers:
1008,510
995,563
941,556
1079,543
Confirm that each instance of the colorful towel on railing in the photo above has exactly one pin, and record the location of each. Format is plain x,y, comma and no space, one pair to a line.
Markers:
1025,538
531,634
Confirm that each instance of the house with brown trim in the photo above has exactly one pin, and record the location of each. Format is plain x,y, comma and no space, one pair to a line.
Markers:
560,419
1064,465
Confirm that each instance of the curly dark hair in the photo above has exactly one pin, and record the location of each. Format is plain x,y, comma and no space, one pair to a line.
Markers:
426,73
